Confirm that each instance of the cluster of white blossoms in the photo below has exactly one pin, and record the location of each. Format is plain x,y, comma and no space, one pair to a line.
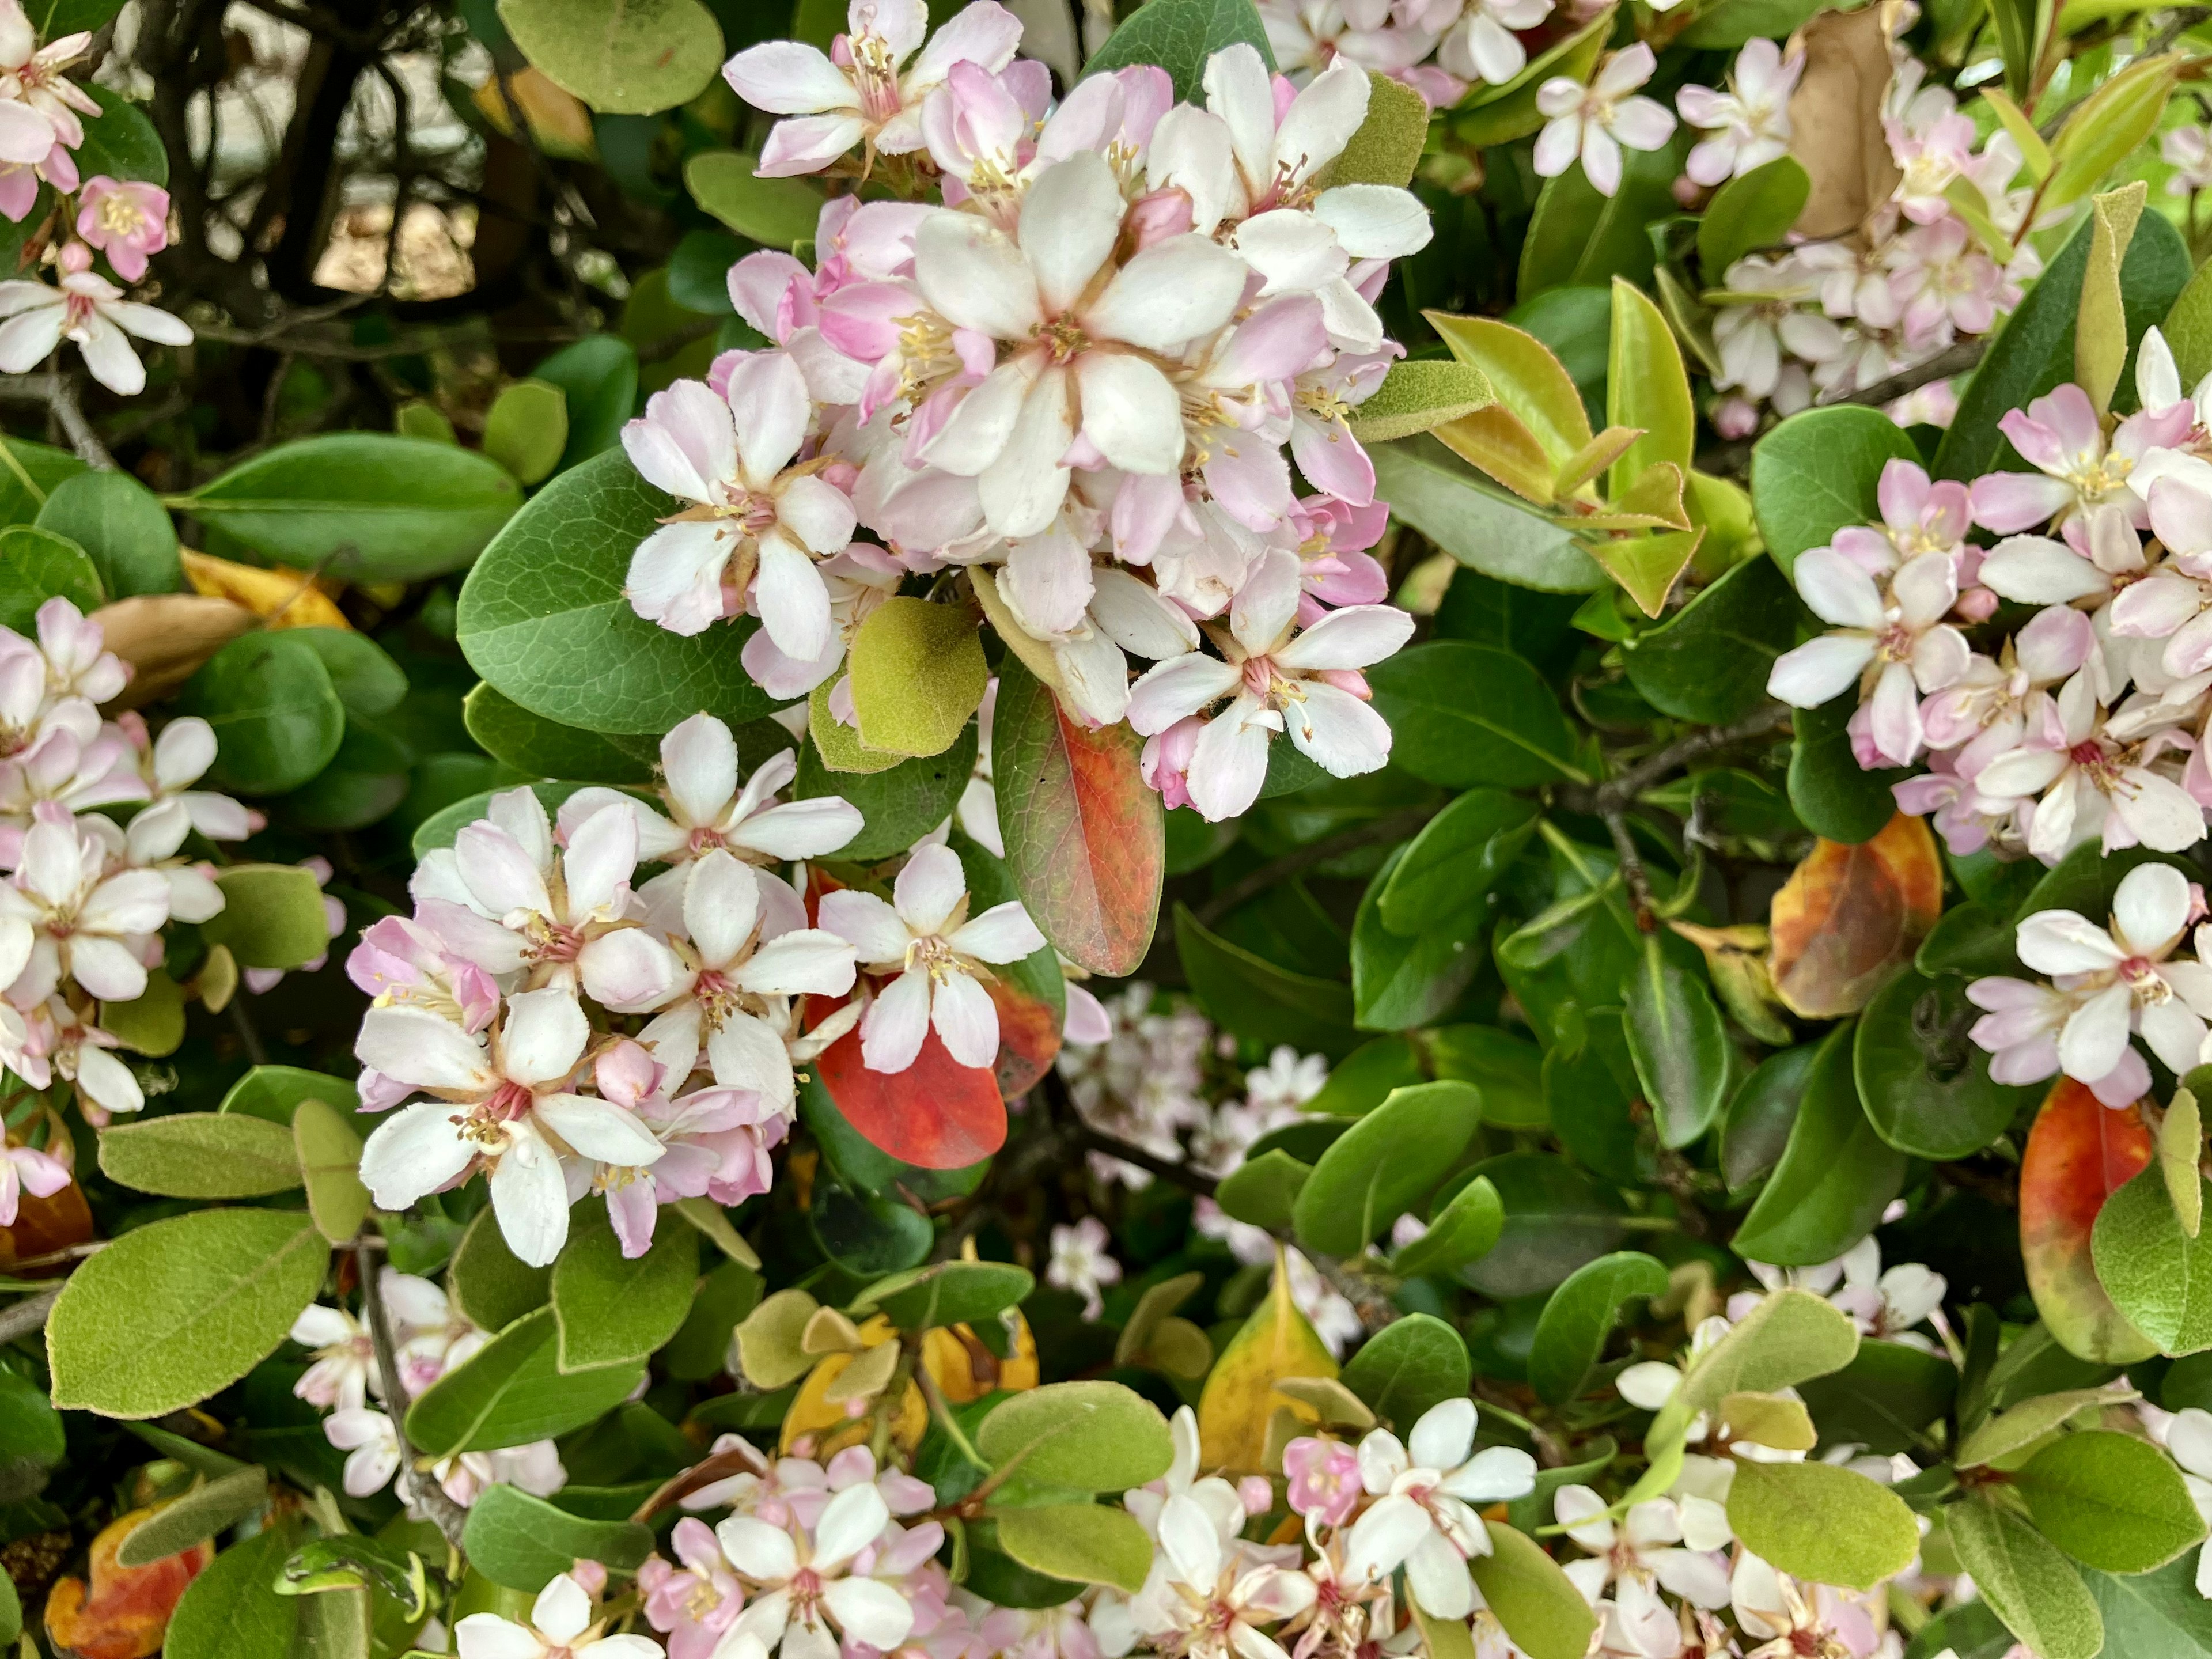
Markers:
2085,724
85,897
1088,361
507,998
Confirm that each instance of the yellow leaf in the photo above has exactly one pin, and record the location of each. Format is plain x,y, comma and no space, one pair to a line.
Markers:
964,1370
558,119
280,596
1240,1395
1495,440
834,1424
2100,329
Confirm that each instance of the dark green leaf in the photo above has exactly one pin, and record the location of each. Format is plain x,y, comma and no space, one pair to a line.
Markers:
523,1542
1681,1051
1829,791
511,1392
1257,1000
1570,1336
1477,523
1925,1085
1384,1165
1708,661
1760,1114
1556,1219
1751,211
120,141
1836,1175
1579,237
1457,858
896,805
1409,1365
37,565
1179,35
1463,715
1397,984
276,717
612,1308
1817,472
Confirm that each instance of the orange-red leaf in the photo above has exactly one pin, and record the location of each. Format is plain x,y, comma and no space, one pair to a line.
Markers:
937,1114
2079,1153
44,1225
1850,914
126,1614
1087,841
1029,1038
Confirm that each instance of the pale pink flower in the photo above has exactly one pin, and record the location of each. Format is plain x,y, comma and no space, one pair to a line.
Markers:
2060,437
125,221
91,311
1324,1479
1081,1264
2092,782
692,1604
1749,123
1890,640
2185,149
1482,44
1593,122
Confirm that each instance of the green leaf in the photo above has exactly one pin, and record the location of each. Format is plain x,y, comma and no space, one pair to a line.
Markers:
1477,523
1732,22
272,915
547,598
897,806
620,56
523,1542
32,1439
1829,791
1885,1398
1263,1191
777,213
363,506
2026,1582
598,377
1571,1335
2031,1421
171,1311
152,1023
1836,1175
116,521
1409,1365
612,1308
200,1155
275,1092
2111,1501
1579,237
1387,145
1257,1000
1458,857
2100,329
1385,1163
1761,1113
2188,329
490,1283
329,1154
1789,1338
1680,1050
1749,212
29,475
368,683
1646,387
1538,1604
120,140
1087,1437
1926,1087
1708,662
511,1392
527,429
2099,133
868,1236
1818,472
917,674
37,565
232,1610
1556,1219
1395,985
1464,1227
1819,1521
1179,35
2156,1612
2158,1277
949,1293
537,747
1507,1069
1085,1543
1463,715
1085,837
701,1349
212,1507
277,716
2033,351
1419,395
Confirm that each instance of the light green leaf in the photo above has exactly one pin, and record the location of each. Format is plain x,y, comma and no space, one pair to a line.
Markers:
2158,1277
777,213
620,56
1419,395
2111,1501
1387,147
1085,1543
1409,1365
613,1309
1386,1161
1536,1602
1261,1191
272,915
212,1507
1790,1337
1572,1334
363,506
1087,1437
1749,212
1646,387
200,1155
1478,524
329,1151
174,1310
1819,1521
527,427
768,1339
1466,1227
151,1023
917,674
2026,1582
232,1610
511,1392
2100,331
2104,128
1180,36
524,1542
2180,1145
2031,1421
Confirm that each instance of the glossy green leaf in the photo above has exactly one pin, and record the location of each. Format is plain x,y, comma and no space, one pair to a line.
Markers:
275,1092
777,213
1751,211
1833,796
120,140
1457,859
275,715
1506,1068
1463,715
1761,1113
37,564
1396,984
1925,1085
1386,1161
613,1308
1464,1227
1409,1365
896,805
1818,472
949,1293
1580,237
1476,522
1709,661
1556,1219
1258,999
1571,1334
1836,1176
541,747
1680,1050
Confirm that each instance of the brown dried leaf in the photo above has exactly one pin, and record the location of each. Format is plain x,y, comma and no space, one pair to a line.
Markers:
1850,914
1836,114
164,637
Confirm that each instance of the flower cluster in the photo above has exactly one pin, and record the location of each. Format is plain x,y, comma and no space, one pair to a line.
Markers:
83,907
2085,723
1080,362
1829,318
40,129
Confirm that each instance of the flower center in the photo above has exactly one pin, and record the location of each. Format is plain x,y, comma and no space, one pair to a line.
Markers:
933,956
119,215
2141,975
1063,339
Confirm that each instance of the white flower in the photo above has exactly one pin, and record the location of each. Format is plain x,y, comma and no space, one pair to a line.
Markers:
1750,122
90,310
735,1003
1439,1470
1080,1263
2185,150
928,939
1207,1599
1886,1305
1894,645
1289,1078
560,1627
2092,781
803,1584
759,522
1646,1543
61,916
1280,680
1594,121
517,1116
1482,43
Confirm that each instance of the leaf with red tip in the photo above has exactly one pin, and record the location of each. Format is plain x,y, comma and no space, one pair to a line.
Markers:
1029,1038
2079,1153
1087,841
124,1615
1850,914
937,1113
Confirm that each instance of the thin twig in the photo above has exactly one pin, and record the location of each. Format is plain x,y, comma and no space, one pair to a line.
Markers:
1617,793
59,393
27,1315
422,1487
1168,1169
1391,826
1730,459
1632,873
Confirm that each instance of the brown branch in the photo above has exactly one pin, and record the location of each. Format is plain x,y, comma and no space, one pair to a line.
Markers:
29,1314
1731,457
1171,1170
1391,826
1617,793
449,1516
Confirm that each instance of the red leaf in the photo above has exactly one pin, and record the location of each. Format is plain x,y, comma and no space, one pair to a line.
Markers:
1029,1038
1851,914
2079,1153
1087,841
937,1114
125,1614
